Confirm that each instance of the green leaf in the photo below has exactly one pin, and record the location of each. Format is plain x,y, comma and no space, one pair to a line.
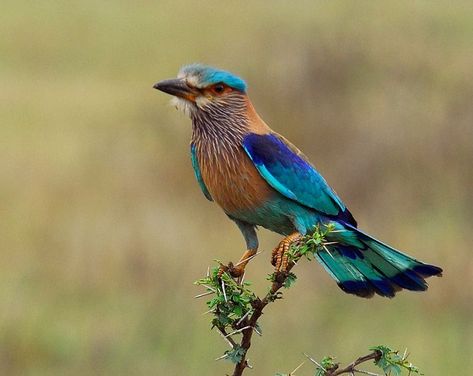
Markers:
290,280
392,363
327,363
238,311
235,355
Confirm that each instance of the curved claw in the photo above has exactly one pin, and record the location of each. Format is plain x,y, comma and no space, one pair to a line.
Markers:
234,271
237,270
280,255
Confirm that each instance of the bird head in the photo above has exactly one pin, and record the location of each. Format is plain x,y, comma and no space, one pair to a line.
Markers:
203,90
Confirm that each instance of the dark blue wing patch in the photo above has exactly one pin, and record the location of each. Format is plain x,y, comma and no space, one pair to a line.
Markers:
290,174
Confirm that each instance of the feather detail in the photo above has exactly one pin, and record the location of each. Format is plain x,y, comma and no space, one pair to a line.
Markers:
232,180
255,123
198,174
362,265
284,167
226,172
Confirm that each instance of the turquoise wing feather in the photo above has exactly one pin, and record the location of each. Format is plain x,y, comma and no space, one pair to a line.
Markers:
198,175
289,172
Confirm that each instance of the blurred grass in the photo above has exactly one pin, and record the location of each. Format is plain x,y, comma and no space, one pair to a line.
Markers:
103,228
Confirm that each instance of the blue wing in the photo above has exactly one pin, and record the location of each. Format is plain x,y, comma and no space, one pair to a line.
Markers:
287,170
198,175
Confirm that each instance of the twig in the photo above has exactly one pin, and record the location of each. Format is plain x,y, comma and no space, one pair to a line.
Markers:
210,288
224,292
243,317
314,361
222,357
367,372
295,369
238,331
249,258
204,294
229,340
351,368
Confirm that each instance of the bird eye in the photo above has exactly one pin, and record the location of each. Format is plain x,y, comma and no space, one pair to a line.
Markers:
219,88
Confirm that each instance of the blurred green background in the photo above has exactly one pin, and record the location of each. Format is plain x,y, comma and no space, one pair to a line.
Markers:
103,228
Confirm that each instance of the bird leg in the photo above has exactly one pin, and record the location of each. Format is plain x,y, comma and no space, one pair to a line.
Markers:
280,256
238,269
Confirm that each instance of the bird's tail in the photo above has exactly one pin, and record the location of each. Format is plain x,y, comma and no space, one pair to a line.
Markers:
362,265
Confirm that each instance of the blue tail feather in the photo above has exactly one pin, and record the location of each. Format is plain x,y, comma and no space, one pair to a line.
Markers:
363,266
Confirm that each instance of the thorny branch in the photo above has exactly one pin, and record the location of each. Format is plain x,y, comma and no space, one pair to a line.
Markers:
334,370
236,311
351,368
251,321
389,361
306,246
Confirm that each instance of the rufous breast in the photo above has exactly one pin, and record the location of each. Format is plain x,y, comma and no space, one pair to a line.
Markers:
232,180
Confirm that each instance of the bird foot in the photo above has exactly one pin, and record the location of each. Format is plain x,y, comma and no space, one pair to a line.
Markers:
237,270
280,255
232,270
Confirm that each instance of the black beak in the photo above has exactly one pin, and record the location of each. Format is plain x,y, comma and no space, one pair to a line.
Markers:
177,87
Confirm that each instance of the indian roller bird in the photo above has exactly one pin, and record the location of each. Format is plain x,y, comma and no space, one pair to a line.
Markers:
259,178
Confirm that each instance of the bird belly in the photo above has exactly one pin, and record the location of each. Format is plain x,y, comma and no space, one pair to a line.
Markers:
281,215
270,215
233,182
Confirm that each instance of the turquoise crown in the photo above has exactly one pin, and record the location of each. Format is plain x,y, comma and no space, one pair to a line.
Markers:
209,76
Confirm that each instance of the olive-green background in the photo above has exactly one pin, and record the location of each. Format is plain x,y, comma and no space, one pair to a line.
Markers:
103,229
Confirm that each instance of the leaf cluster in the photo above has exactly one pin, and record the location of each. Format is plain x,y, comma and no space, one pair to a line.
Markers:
311,243
392,363
326,364
231,301
235,355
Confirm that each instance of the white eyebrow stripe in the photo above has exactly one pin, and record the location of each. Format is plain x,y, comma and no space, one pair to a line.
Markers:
192,80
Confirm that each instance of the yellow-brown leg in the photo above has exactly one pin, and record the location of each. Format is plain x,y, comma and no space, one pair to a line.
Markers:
280,257
238,269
